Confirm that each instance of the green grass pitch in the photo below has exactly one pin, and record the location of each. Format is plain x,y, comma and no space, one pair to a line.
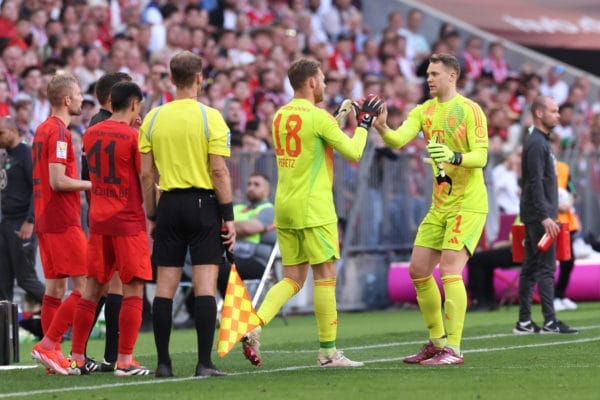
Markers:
498,364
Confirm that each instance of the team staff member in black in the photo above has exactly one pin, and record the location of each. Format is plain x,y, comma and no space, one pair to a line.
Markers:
185,143
17,241
539,211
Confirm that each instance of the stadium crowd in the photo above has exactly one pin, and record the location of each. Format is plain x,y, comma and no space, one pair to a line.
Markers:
247,48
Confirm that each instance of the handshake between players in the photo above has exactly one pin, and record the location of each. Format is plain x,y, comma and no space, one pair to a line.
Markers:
366,110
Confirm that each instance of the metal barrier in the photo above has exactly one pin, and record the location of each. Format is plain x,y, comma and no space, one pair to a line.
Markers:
381,200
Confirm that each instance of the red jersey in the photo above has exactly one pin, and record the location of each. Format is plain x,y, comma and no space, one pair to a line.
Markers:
114,163
54,211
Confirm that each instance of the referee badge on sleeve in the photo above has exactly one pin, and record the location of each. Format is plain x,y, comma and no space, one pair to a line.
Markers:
61,150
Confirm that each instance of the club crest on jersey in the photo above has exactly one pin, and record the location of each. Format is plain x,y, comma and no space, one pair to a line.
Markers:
61,150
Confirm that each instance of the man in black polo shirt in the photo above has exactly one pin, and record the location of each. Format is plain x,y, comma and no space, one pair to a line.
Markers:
17,240
539,211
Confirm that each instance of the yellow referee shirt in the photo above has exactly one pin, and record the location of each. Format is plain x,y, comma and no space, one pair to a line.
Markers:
181,134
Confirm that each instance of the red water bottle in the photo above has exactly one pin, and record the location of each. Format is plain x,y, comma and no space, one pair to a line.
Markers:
518,240
545,242
563,243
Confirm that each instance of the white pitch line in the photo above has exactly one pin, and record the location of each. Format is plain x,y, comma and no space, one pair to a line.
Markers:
413,342
268,371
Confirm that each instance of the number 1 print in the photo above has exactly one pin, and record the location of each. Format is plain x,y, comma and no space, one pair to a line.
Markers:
457,225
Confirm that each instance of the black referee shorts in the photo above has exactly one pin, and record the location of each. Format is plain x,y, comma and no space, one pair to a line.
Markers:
187,218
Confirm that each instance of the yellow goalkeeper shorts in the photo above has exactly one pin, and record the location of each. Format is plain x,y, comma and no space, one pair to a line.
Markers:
450,230
314,245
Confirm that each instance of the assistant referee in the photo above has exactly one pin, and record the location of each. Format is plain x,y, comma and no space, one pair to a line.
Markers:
185,144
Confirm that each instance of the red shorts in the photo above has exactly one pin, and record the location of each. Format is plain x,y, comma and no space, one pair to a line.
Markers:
129,255
63,253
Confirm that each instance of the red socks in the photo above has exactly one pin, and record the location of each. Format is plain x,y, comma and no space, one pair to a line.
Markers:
130,320
49,307
83,319
63,317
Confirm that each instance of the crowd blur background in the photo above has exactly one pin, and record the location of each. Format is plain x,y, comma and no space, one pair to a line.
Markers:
246,47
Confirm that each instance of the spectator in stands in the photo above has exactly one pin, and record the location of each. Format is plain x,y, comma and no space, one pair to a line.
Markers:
158,87
454,41
395,25
472,57
72,35
336,20
333,90
9,13
39,18
73,58
23,106
498,125
31,85
371,51
90,71
12,57
505,183
554,85
496,62
235,118
343,53
581,99
564,130
417,44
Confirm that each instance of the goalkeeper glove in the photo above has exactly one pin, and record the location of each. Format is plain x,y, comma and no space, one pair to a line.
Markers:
441,153
342,111
368,111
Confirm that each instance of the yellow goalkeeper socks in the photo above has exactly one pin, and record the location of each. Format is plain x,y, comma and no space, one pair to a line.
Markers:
430,303
276,297
326,313
455,308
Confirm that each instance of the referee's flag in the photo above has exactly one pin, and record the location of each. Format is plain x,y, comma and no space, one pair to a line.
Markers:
238,316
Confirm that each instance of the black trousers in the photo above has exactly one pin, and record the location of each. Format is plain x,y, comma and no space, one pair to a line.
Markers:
538,268
17,261
481,272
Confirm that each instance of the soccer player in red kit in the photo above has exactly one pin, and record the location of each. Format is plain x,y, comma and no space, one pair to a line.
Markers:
118,240
57,217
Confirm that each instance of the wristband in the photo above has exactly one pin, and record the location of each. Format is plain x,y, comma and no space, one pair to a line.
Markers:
457,158
151,218
226,211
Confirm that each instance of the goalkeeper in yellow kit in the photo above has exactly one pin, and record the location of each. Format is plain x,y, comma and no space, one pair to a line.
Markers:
304,138
456,130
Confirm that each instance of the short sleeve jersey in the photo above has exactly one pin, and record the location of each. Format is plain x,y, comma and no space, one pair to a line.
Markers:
114,165
304,137
54,211
461,125
181,135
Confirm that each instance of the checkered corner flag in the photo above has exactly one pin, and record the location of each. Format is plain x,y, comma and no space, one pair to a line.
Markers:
238,316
